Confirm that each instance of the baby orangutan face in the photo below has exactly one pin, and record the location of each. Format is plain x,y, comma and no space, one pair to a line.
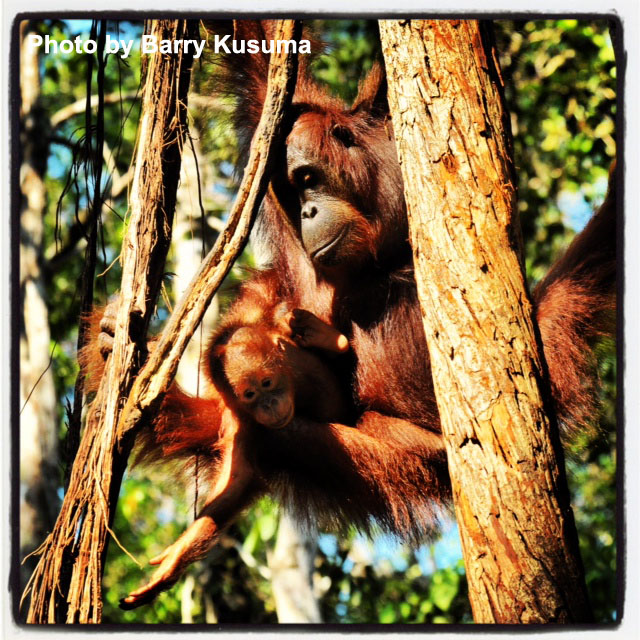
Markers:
261,382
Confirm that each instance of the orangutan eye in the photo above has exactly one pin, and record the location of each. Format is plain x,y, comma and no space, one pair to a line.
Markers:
306,178
266,383
343,134
249,395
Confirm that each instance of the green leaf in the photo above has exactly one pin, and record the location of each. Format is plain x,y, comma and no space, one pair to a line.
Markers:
387,614
444,588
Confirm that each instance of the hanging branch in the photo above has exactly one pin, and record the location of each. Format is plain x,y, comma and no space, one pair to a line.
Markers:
66,584
95,211
505,460
156,376
90,503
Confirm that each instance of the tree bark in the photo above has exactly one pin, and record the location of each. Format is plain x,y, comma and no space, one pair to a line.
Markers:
66,585
38,418
505,460
291,565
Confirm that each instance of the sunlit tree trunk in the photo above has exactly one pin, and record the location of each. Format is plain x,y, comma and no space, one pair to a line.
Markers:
188,249
505,460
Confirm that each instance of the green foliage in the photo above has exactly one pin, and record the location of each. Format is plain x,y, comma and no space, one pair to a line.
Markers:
392,587
351,48
560,85
151,514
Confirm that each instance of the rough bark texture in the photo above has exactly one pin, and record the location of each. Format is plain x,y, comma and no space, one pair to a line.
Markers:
505,461
156,375
66,585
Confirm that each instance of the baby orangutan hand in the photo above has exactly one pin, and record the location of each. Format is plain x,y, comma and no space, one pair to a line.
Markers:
192,545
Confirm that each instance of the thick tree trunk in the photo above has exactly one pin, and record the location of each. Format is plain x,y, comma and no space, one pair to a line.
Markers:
66,585
506,465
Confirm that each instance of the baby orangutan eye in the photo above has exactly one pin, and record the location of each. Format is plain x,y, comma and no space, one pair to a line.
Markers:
266,383
249,395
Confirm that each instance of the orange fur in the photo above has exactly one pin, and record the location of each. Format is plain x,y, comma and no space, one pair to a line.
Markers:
89,357
575,306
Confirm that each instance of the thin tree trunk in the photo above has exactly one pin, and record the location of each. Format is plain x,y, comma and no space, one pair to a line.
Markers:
506,465
39,478
66,585
291,565
189,249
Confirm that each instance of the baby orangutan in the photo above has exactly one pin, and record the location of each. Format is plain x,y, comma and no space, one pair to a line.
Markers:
265,366
262,372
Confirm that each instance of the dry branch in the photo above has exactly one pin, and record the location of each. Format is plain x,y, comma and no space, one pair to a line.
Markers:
66,585
116,97
505,461
79,106
156,375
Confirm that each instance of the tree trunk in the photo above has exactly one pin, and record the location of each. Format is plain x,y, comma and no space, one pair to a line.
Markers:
66,585
189,250
39,478
506,464
291,565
